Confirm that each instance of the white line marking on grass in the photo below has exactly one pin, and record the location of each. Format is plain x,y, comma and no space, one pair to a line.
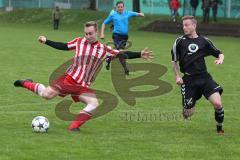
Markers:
25,104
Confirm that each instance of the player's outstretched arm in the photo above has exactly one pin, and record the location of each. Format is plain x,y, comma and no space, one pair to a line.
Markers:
145,54
220,59
141,14
56,45
42,39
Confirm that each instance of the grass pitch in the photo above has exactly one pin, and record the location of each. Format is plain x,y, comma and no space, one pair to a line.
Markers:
128,132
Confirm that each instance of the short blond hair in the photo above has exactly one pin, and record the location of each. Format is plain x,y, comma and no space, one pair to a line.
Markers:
91,23
192,18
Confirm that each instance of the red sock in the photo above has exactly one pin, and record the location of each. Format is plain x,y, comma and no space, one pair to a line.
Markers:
31,86
80,120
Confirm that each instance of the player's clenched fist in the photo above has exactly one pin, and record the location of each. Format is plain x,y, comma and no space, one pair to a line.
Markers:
42,39
179,80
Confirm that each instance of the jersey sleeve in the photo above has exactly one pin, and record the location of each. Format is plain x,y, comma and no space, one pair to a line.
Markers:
174,51
73,44
109,19
111,52
211,49
132,14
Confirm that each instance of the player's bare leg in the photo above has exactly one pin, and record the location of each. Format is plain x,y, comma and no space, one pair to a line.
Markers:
85,114
50,93
215,99
39,89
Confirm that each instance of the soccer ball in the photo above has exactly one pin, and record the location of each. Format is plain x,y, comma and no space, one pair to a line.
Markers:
40,124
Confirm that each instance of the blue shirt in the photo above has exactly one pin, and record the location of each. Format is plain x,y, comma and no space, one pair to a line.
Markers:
112,12
120,21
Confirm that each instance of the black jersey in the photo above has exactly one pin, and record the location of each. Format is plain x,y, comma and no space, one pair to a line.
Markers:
190,53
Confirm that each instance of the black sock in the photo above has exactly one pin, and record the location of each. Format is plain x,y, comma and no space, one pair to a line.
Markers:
219,117
124,64
108,61
219,128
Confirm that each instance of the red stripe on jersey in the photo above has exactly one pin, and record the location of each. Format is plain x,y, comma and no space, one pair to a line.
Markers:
73,44
77,58
93,64
99,61
87,58
90,64
87,61
96,62
112,52
80,68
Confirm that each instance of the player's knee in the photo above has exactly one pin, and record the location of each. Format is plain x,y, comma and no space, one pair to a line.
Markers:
217,104
47,96
95,103
91,108
49,93
188,112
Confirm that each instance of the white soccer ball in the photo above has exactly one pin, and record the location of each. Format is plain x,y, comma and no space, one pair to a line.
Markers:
40,124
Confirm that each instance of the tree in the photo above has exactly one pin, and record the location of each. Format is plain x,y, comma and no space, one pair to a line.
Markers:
136,5
92,4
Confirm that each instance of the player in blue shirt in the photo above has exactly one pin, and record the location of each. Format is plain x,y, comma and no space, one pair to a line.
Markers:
120,18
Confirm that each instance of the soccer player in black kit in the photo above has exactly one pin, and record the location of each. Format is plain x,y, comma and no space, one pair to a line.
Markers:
189,51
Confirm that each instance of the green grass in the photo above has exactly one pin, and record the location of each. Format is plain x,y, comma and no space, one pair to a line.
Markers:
111,136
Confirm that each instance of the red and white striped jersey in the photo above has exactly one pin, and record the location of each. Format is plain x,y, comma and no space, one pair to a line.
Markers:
87,60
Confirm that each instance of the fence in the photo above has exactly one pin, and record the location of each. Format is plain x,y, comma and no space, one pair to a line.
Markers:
228,8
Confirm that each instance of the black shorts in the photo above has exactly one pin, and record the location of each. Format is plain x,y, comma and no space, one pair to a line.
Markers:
196,86
120,41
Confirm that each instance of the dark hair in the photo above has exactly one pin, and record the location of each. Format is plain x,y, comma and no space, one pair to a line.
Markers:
91,23
119,2
190,17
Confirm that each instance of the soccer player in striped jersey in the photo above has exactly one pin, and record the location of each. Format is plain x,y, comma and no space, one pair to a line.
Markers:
189,50
76,81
